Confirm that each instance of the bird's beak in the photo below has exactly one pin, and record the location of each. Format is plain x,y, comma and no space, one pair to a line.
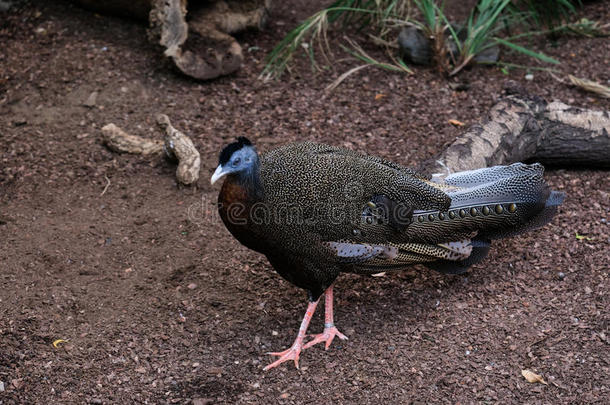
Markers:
218,174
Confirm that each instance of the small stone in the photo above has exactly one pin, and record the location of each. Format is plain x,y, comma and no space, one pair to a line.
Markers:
202,401
91,100
140,370
5,6
561,275
529,77
414,46
192,286
96,401
588,290
1,386
213,370
489,55
17,383
274,333
19,121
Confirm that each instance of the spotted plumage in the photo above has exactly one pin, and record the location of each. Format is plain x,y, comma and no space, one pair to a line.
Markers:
316,211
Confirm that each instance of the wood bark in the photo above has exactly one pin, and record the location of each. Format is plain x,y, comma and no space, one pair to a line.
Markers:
524,128
180,148
176,146
120,141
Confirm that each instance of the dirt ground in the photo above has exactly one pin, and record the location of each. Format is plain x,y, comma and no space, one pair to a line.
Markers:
157,303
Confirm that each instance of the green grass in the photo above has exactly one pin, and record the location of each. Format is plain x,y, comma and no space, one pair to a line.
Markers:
311,34
381,19
484,24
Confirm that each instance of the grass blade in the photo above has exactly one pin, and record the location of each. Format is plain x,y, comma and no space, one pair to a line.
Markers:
527,52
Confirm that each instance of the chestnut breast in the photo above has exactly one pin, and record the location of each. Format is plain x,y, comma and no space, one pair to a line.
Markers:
234,206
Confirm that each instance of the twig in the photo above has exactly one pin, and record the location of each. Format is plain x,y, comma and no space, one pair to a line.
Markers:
344,76
107,185
554,76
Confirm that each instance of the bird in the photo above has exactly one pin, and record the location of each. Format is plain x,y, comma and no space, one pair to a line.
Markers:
316,211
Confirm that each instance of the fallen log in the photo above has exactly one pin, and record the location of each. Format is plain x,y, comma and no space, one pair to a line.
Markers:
524,128
201,46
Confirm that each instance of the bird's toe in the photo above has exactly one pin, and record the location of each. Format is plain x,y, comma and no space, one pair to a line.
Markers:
292,353
327,336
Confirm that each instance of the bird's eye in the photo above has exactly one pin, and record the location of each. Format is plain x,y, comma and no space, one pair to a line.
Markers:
247,160
236,161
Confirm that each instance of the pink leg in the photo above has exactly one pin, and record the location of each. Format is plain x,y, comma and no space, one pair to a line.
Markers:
295,350
330,331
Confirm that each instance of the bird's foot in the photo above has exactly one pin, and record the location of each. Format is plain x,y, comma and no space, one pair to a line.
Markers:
327,336
292,353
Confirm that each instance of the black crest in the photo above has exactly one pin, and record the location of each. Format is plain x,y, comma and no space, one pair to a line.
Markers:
231,148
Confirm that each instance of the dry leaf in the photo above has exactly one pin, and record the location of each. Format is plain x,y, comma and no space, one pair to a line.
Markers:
590,86
456,123
379,96
532,377
57,342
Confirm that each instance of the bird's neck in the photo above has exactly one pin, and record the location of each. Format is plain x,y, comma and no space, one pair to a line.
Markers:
251,182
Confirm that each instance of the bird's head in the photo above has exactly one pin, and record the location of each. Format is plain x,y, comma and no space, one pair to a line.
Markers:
238,158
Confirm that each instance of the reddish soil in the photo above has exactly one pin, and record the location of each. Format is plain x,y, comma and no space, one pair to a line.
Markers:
159,304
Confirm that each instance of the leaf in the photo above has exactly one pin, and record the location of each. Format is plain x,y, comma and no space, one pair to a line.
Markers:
581,237
57,342
379,96
532,377
590,86
456,123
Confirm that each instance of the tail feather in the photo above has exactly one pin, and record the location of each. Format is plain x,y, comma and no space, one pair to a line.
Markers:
492,203
495,202
480,249
486,204
542,217
488,175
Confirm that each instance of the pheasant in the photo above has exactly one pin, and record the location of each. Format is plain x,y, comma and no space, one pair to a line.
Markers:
316,211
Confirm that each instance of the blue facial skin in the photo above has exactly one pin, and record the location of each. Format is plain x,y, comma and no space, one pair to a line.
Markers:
243,162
